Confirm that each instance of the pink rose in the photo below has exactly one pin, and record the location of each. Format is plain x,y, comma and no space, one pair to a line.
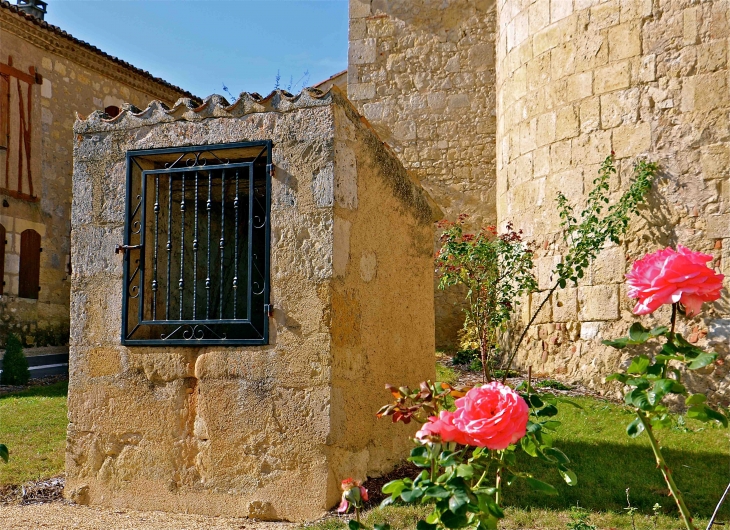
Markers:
668,276
492,416
353,493
442,429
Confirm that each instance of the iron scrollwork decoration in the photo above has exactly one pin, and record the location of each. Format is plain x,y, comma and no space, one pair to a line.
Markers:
196,245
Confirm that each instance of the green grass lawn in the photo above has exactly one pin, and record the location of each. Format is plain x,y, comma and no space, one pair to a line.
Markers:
608,462
33,426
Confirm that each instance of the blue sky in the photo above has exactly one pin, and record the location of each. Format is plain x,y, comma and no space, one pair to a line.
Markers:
201,44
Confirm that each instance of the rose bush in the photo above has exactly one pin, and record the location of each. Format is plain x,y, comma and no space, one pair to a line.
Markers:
683,279
671,276
459,449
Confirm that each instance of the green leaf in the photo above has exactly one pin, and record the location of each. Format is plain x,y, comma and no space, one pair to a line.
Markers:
551,425
423,525
557,454
705,414
635,428
638,333
355,525
702,360
695,399
528,446
639,399
639,365
619,344
622,378
550,410
437,492
386,526
458,499
535,401
394,487
4,453
541,486
453,520
411,495
568,476
465,471
658,331
487,504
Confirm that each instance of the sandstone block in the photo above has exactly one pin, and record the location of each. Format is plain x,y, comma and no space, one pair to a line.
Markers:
360,91
590,115
619,107
363,51
567,124
612,77
579,86
609,266
718,226
546,39
630,140
624,41
545,133
598,302
539,15
715,161
691,26
591,148
565,305
710,91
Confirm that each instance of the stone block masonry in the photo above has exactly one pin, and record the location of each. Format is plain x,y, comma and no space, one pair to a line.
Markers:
641,78
261,431
422,73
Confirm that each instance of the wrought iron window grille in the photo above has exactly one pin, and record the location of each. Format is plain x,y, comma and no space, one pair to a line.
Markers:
196,245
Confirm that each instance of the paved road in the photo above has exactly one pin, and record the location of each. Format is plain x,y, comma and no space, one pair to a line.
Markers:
45,365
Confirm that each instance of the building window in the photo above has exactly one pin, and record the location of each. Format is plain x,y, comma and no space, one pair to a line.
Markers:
30,264
196,248
16,132
3,242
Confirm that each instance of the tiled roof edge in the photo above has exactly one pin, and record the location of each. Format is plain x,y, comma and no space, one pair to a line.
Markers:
4,4
214,106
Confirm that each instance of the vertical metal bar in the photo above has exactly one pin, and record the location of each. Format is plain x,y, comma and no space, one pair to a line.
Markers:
267,240
195,254
223,236
143,224
235,252
157,232
208,207
250,240
182,246
169,244
127,230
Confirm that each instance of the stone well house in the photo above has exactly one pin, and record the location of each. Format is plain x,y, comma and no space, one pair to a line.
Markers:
276,274
46,76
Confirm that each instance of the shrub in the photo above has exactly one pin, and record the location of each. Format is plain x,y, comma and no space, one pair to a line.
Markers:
15,365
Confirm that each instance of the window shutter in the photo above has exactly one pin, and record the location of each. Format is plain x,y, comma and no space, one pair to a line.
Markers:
4,111
30,264
3,235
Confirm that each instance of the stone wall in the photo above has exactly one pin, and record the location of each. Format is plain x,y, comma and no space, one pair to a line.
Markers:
73,80
240,430
422,73
577,79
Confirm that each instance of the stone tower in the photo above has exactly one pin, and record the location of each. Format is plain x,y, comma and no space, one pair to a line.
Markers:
497,105
577,80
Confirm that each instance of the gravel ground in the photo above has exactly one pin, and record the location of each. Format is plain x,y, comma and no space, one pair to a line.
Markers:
61,516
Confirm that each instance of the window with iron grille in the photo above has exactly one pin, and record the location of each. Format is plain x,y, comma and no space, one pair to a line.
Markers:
196,245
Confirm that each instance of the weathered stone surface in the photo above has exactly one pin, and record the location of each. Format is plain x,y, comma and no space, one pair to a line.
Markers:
226,430
658,77
422,73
